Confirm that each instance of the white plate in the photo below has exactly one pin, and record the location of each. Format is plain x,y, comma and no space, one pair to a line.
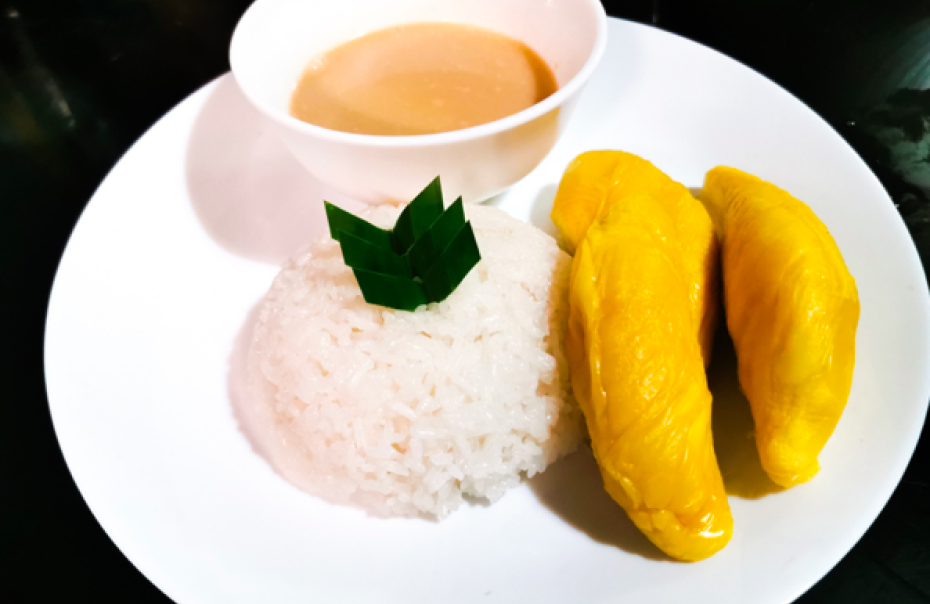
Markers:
154,298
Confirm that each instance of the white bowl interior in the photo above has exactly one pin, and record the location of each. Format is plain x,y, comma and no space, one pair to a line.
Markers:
276,39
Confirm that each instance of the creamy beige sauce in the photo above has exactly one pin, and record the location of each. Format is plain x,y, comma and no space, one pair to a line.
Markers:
421,78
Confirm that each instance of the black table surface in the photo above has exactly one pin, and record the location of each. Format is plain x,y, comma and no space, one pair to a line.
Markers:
80,80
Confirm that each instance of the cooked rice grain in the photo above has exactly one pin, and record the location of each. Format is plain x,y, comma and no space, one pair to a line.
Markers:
405,413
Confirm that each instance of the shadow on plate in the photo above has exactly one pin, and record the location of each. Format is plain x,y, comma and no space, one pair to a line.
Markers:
572,489
542,207
249,193
733,427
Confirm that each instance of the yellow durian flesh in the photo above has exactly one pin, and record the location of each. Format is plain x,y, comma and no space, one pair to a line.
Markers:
638,374
792,310
595,180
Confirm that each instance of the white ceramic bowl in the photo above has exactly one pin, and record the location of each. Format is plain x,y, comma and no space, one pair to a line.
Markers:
276,39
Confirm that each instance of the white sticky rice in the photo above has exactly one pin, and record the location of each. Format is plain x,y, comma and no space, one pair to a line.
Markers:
406,413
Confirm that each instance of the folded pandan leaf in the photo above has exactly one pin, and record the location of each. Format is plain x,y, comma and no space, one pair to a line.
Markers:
421,260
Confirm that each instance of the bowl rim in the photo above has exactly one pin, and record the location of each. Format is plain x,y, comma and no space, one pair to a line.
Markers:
503,124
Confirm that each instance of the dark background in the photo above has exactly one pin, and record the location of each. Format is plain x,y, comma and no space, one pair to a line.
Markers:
80,80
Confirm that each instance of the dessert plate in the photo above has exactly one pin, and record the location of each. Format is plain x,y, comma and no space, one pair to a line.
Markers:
155,296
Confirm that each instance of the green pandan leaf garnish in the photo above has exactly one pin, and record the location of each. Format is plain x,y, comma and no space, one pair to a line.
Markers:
421,260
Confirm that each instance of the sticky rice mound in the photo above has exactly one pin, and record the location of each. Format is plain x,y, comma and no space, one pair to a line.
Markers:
408,413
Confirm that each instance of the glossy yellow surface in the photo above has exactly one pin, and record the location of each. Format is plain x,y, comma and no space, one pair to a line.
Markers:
792,311
638,374
596,180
